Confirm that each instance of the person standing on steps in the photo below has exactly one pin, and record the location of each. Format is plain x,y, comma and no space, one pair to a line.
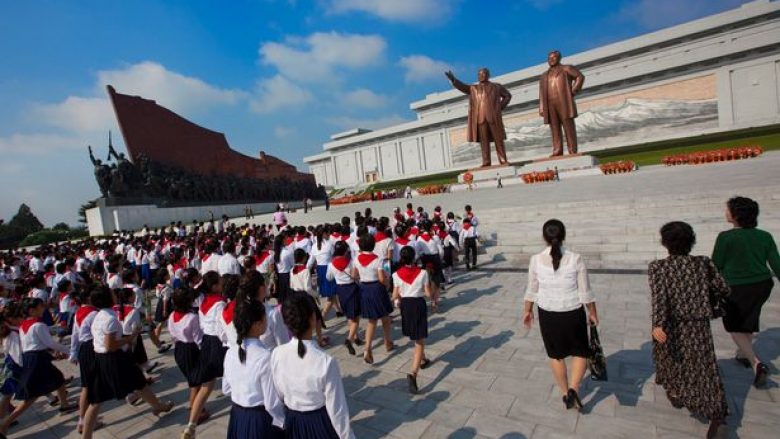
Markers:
742,255
558,285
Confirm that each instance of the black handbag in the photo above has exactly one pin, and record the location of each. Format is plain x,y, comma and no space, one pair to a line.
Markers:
597,363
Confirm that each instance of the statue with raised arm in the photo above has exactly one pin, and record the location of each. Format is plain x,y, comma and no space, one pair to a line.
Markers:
557,88
486,102
102,173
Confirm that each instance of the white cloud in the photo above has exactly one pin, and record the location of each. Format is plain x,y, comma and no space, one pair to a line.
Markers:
413,11
656,14
346,122
318,57
364,98
420,68
39,143
77,114
281,132
278,92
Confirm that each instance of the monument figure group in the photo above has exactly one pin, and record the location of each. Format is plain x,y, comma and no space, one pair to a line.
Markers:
557,88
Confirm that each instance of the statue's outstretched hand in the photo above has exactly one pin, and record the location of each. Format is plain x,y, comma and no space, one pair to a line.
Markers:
449,75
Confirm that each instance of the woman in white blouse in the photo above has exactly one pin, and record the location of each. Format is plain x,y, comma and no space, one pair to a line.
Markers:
308,380
558,284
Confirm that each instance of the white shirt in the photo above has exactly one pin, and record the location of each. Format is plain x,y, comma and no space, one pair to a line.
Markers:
186,329
303,281
39,293
115,281
324,254
250,384
416,288
229,335
138,302
310,383
82,329
36,265
154,260
12,346
381,248
370,271
228,264
210,263
464,234
286,259
430,247
561,290
304,243
36,337
105,323
400,243
342,277
277,333
265,260
209,321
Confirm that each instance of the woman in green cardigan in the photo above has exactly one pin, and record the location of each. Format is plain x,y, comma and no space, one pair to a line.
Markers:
742,255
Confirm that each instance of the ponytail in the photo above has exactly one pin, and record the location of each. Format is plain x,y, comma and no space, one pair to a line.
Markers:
296,312
554,233
301,348
251,312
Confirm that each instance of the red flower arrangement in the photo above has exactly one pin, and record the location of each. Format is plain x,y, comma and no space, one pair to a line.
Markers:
618,167
538,177
432,189
718,155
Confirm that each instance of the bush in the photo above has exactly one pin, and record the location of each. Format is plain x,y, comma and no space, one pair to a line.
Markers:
43,237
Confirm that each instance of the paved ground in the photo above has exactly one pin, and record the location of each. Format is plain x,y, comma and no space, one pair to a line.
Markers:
490,379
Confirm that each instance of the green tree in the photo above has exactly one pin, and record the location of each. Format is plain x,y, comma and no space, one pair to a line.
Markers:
61,227
83,210
25,221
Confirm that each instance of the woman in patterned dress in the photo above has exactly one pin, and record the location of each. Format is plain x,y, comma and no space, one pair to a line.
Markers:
683,351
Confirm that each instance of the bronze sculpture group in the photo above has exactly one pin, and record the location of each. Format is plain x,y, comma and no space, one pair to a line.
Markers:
557,88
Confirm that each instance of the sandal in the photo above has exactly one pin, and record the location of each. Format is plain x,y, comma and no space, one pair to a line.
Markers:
203,417
349,346
98,425
390,347
68,409
368,358
167,407
425,363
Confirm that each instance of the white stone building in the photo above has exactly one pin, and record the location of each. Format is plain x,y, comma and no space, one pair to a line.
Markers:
715,74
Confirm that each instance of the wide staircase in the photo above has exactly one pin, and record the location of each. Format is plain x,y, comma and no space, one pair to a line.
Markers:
616,233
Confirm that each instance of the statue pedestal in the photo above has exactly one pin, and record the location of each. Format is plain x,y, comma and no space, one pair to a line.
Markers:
568,166
490,173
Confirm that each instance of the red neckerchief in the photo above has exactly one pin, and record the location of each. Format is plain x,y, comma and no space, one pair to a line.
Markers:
403,241
414,230
470,215
466,226
399,217
261,257
227,313
206,258
335,235
379,236
442,234
299,238
298,268
83,312
344,238
177,316
408,273
128,309
340,262
209,301
409,213
27,324
288,241
425,237
366,258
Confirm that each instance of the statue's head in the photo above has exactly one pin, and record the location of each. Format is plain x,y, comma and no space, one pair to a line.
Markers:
554,58
483,74
98,162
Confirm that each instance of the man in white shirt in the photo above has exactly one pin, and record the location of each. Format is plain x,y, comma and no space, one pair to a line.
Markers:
228,264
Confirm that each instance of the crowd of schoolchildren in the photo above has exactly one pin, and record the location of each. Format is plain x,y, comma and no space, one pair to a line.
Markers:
248,304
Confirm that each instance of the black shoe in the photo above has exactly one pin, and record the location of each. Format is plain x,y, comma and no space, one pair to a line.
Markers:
761,373
412,382
425,363
743,361
339,314
359,342
164,348
349,346
567,402
575,399
151,368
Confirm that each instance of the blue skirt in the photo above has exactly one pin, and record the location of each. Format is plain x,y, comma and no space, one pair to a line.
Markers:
349,297
46,318
12,374
212,358
414,318
115,376
86,357
309,425
187,356
327,287
146,274
252,422
374,301
39,376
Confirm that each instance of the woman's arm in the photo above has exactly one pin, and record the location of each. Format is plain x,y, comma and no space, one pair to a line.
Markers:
660,310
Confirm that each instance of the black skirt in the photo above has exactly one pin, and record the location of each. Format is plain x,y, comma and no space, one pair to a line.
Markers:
139,352
309,425
212,358
86,357
116,376
432,263
349,298
282,286
414,318
159,315
252,422
743,306
374,301
187,356
449,256
39,376
564,334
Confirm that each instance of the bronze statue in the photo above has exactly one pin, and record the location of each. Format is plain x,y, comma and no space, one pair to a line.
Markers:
486,101
102,173
557,88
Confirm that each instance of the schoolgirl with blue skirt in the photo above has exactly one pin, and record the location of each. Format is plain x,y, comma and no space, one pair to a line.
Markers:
308,380
257,411
322,253
343,272
10,319
374,299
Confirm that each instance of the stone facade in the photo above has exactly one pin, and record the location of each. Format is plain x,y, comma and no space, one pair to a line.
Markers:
714,74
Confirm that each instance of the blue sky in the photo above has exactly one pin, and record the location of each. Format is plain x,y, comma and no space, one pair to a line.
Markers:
277,75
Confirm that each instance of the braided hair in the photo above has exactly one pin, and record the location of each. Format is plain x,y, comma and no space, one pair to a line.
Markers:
554,234
297,312
251,312
230,284
248,287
